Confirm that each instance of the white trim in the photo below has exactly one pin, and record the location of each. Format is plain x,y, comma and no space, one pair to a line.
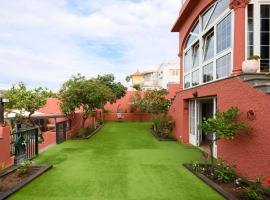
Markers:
201,48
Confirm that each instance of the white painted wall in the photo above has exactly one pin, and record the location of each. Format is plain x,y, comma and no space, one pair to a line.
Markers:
165,74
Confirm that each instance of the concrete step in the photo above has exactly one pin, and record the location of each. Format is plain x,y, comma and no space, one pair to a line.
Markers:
258,80
245,76
265,87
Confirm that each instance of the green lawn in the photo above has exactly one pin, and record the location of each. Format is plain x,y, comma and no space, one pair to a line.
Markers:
121,162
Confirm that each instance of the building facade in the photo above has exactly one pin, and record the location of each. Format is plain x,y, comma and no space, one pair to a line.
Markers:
167,73
216,37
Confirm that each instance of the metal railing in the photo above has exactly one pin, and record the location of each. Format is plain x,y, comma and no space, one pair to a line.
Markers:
24,144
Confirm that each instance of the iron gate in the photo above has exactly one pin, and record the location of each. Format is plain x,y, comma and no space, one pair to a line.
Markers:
24,144
61,130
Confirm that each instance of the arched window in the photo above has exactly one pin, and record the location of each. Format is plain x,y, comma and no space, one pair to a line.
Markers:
208,47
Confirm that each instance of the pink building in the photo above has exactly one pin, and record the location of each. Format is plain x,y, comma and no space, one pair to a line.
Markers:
215,38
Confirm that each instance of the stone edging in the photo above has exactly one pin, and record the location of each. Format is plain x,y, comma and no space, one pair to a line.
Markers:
42,170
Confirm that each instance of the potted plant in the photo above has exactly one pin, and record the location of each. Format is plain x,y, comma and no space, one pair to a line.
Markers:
251,65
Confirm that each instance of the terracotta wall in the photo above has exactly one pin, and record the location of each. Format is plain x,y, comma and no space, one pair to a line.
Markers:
249,152
128,117
122,104
5,159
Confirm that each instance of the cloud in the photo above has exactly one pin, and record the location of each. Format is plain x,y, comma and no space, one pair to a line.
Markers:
45,42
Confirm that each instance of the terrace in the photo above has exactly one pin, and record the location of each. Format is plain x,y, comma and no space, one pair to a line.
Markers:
122,161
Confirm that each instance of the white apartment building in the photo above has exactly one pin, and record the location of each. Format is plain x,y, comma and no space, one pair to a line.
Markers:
167,73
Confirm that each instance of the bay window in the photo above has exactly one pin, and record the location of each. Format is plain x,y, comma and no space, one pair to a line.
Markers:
208,47
258,32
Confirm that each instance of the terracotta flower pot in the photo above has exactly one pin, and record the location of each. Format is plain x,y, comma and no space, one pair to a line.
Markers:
250,66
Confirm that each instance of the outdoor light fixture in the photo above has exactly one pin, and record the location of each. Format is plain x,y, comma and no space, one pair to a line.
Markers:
2,110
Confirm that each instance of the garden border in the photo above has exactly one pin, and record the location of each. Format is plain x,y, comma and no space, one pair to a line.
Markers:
160,139
94,132
211,183
43,169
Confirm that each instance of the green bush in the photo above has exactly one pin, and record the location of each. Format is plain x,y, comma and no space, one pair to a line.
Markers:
24,167
255,190
224,172
164,125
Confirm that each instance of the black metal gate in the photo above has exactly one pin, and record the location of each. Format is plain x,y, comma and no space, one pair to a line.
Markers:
24,144
61,129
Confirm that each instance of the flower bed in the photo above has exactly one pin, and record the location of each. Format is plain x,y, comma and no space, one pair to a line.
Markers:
88,132
229,186
13,180
162,137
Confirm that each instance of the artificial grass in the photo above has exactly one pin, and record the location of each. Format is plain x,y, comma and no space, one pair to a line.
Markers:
121,162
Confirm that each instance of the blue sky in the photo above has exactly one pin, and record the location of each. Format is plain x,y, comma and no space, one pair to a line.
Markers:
43,43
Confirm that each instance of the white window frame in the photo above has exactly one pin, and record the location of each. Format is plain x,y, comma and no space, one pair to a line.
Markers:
256,26
200,39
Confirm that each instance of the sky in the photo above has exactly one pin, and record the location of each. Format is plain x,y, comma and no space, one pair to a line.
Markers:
45,42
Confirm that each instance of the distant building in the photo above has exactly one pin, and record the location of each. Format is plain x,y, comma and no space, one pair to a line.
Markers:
150,80
167,73
136,78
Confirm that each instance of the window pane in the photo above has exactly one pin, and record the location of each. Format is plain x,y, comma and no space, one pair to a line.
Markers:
206,15
265,11
250,10
224,66
188,61
265,35
195,56
265,24
193,35
219,9
250,48
209,46
196,28
224,34
195,78
265,52
265,66
208,73
191,38
187,81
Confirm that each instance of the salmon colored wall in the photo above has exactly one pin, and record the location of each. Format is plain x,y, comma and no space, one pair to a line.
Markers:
123,103
128,117
249,152
5,159
49,140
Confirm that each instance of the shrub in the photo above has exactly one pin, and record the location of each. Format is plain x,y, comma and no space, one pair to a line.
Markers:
255,57
255,190
164,125
224,172
24,167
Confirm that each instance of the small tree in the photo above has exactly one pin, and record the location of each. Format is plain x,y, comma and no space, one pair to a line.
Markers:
87,94
28,100
117,88
154,102
223,126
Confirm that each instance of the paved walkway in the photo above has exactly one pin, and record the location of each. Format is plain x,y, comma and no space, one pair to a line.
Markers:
121,162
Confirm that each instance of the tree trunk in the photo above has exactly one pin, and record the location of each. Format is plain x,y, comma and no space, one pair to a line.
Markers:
212,155
83,121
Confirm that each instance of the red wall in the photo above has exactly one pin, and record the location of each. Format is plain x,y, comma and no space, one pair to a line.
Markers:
123,104
128,117
249,152
5,159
